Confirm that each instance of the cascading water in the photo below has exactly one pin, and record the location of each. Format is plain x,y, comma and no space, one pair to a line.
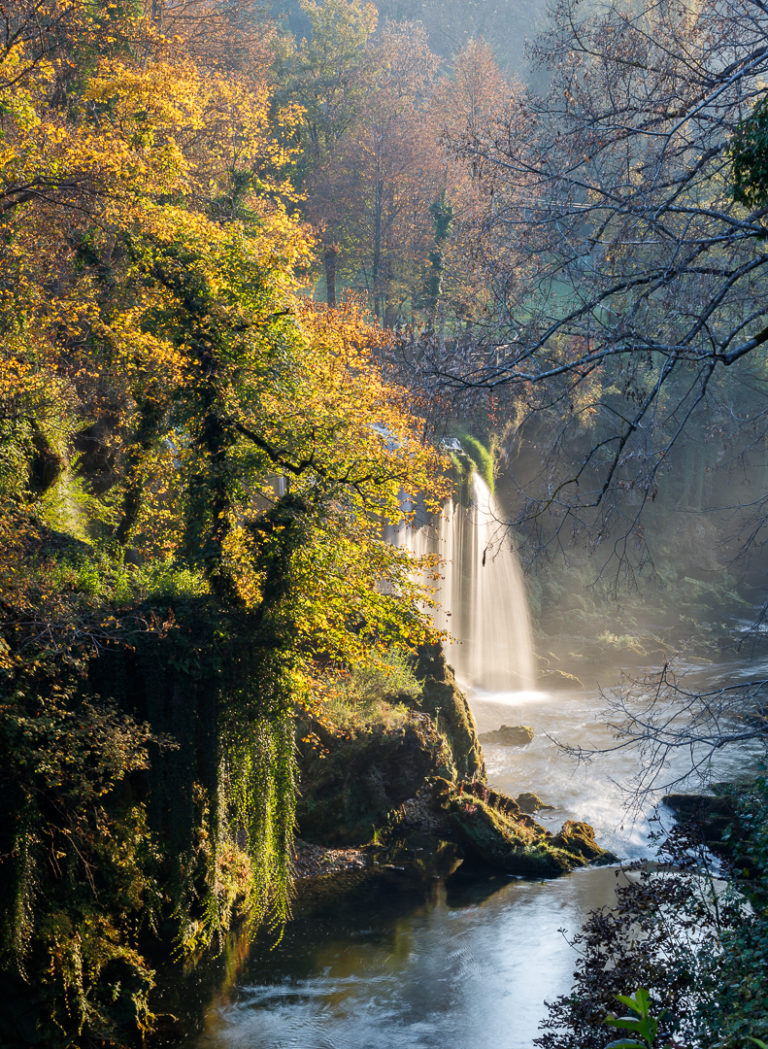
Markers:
480,595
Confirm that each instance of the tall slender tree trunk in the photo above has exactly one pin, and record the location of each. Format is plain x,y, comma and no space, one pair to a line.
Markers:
329,260
377,239
137,459
442,217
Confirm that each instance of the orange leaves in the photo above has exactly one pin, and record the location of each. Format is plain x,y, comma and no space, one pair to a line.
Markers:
155,293
155,365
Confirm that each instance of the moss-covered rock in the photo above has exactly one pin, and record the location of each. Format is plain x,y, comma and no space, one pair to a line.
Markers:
353,776
423,777
447,705
531,803
509,736
494,831
578,840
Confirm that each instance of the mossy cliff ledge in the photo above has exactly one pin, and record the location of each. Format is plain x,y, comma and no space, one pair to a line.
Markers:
422,776
493,831
442,699
355,773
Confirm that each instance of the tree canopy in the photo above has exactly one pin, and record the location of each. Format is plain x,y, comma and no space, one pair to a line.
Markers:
196,463
623,240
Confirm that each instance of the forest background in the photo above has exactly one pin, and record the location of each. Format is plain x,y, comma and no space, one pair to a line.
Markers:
255,263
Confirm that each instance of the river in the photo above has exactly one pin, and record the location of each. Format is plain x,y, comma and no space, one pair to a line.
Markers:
463,964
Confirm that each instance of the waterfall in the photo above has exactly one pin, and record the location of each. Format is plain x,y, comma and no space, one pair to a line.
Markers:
480,595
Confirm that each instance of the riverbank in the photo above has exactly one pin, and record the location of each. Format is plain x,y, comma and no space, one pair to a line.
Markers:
414,769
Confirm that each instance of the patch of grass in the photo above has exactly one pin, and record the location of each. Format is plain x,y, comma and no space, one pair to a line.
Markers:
376,692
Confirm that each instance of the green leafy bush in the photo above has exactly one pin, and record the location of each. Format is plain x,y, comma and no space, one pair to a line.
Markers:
701,950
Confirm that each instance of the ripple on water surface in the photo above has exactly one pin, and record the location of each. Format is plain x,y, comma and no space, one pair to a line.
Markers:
465,970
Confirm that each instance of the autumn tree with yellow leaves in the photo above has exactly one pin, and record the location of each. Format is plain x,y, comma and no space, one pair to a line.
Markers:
195,465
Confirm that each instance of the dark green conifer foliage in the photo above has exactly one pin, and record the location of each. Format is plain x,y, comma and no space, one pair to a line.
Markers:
749,156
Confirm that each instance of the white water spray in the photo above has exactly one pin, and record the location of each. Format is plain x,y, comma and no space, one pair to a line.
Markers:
481,599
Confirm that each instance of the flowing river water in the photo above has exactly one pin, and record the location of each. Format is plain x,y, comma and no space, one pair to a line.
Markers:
466,963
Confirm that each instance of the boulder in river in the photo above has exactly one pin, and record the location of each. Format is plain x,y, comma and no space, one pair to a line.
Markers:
531,803
493,831
710,818
509,736
578,839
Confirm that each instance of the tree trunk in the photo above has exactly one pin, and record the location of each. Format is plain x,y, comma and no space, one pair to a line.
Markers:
136,470
377,238
329,259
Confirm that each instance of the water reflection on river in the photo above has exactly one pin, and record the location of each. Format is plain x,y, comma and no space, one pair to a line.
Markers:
467,968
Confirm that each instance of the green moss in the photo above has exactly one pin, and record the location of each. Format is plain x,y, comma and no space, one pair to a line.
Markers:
93,574
444,701
513,846
482,459
494,830
479,456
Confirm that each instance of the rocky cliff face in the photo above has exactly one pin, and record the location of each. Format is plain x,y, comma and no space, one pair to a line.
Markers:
354,779
351,780
447,705
425,777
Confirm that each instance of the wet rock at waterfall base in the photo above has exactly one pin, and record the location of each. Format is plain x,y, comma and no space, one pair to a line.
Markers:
509,736
578,839
708,818
531,803
493,831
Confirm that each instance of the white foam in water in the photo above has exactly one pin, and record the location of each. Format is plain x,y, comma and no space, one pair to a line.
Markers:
506,699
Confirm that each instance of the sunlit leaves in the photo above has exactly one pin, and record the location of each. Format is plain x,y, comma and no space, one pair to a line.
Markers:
155,255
